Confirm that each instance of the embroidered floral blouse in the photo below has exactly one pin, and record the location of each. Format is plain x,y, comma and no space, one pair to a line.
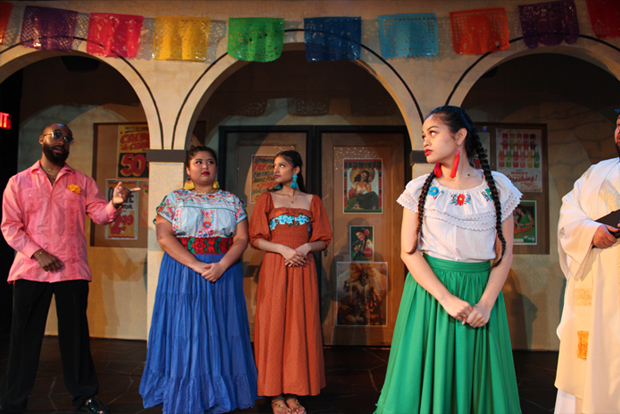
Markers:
290,220
202,215
289,226
459,225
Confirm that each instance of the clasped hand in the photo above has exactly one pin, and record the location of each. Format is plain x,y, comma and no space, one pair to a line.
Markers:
476,316
295,257
210,271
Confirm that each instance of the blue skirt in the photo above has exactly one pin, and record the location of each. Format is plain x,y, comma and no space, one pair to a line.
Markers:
199,357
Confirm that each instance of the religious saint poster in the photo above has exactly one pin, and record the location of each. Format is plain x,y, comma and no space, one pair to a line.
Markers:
363,185
362,293
125,227
525,223
262,175
518,155
133,141
361,240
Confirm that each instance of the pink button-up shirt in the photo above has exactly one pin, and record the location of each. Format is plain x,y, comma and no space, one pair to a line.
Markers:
37,215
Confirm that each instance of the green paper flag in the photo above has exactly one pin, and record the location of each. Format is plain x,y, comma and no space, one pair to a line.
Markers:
255,39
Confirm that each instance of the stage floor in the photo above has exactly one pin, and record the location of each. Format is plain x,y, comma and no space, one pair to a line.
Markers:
354,379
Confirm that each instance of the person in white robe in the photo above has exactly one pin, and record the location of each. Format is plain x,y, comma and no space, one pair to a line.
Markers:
588,374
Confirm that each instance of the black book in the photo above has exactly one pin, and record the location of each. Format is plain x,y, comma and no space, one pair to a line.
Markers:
612,219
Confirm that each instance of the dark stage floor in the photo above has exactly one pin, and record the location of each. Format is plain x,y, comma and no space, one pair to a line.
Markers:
354,379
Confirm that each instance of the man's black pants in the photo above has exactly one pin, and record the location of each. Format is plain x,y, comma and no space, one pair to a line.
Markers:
31,302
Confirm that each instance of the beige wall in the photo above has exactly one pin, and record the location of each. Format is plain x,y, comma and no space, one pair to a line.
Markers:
580,122
535,278
117,302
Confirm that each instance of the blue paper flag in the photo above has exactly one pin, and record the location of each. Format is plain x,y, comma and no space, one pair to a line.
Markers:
333,38
405,35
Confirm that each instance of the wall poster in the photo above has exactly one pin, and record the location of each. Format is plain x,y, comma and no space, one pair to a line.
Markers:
125,227
362,293
363,185
525,223
262,175
519,151
361,242
133,141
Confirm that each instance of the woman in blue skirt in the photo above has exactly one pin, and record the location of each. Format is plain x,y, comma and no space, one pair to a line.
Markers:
451,349
199,356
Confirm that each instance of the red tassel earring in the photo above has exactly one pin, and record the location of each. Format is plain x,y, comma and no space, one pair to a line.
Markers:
455,164
437,170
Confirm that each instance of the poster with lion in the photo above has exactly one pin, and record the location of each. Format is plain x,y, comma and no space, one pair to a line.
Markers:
362,293
363,185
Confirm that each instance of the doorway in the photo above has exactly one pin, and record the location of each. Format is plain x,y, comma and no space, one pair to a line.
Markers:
360,293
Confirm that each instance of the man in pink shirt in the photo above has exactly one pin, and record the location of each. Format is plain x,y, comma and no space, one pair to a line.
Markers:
43,219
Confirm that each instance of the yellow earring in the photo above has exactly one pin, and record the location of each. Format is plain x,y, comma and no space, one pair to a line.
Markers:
216,185
188,185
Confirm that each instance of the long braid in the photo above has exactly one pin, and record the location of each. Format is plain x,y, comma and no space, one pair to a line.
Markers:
421,202
456,118
482,156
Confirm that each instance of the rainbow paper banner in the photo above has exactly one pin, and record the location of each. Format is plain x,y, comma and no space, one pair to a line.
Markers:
333,38
113,35
549,23
181,38
47,28
479,31
405,35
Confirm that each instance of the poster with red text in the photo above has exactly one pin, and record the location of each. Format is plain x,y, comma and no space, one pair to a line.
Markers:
133,141
518,155
262,175
125,227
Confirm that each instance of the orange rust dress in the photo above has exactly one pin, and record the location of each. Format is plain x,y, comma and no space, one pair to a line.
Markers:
288,344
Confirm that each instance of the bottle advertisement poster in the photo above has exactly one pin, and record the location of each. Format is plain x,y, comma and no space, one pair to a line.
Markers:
518,155
125,227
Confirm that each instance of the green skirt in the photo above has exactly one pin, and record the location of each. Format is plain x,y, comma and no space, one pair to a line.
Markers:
437,365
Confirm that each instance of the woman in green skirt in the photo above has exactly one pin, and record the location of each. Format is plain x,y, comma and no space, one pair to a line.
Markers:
451,349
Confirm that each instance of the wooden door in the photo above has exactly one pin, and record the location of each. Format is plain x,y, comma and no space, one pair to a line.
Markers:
242,147
362,281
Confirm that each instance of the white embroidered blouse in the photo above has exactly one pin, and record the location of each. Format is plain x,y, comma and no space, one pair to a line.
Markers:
459,225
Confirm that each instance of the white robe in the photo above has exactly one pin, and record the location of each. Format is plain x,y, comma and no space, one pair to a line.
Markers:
588,375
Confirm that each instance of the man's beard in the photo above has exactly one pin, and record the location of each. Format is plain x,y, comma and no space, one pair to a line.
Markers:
51,156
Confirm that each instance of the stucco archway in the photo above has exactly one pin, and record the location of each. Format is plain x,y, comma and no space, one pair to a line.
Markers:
593,50
54,89
573,92
224,66
15,58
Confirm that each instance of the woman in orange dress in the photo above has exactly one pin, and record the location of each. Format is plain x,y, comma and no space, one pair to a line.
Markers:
288,224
